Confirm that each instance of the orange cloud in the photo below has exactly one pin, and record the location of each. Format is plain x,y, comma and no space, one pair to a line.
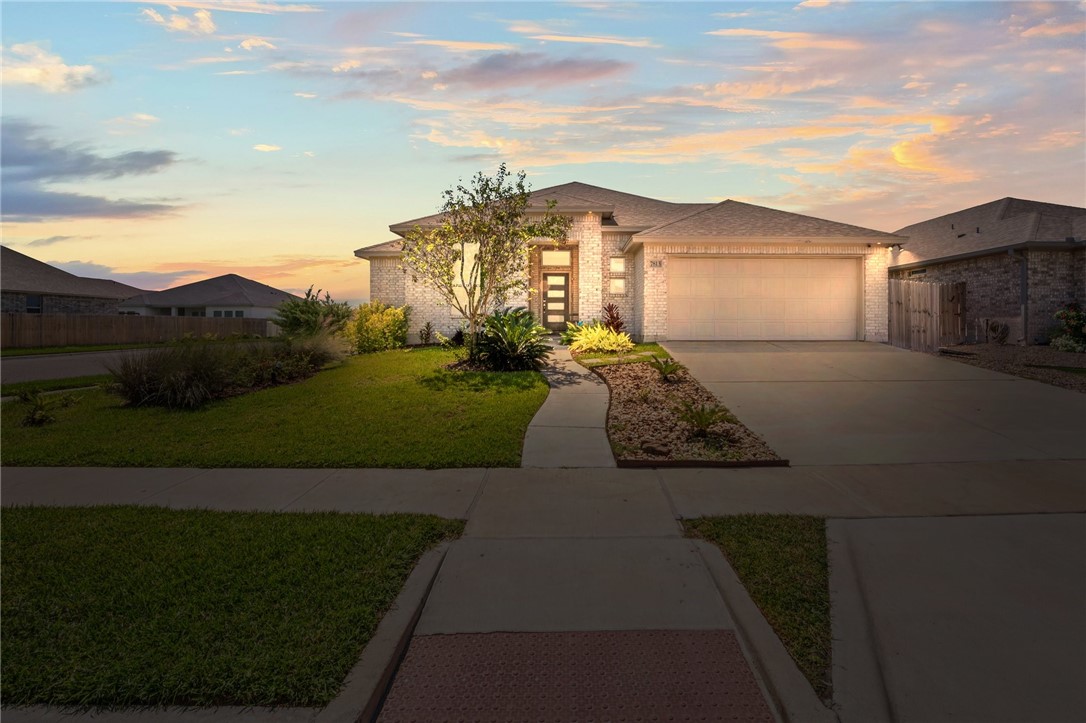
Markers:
462,46
596,40
792,40
1051,30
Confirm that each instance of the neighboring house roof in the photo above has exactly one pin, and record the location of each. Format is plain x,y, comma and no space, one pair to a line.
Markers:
990,228
735,219
21,273
227,290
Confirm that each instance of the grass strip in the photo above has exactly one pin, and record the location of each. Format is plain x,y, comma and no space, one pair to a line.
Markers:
54,385
640,353
782,562
391,409
125,606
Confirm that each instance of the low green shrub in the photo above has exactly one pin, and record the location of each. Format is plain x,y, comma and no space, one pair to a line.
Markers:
379,327
40,406
426,333
596,337
512,341
1073,327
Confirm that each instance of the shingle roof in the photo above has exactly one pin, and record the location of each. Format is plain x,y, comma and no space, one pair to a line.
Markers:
625,209
990,225
388,248
735,219
227,290
19,272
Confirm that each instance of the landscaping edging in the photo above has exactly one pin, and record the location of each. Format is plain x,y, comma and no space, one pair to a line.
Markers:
688,463
749,438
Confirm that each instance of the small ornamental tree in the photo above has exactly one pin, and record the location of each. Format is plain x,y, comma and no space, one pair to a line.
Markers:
476,259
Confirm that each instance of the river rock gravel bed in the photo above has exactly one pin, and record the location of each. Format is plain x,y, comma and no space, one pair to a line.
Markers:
1028,362
643,423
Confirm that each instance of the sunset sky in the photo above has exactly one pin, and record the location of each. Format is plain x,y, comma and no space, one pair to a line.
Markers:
158,144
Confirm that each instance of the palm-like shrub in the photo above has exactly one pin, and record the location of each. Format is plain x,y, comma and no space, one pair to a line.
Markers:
701,417
612,319
668,368
512,341
597,338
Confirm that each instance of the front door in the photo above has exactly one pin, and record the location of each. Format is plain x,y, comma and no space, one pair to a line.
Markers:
555,301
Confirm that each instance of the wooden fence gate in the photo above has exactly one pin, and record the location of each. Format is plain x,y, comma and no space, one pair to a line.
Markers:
925,316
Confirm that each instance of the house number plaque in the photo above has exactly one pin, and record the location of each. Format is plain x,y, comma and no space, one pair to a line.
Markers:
656,263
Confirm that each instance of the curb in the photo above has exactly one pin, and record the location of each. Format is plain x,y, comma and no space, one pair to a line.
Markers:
790,694
364,690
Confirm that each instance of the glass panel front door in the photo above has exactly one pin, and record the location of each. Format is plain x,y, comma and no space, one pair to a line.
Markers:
555,301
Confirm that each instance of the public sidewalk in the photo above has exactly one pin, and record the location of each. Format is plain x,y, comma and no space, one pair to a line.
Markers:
850,491
577,570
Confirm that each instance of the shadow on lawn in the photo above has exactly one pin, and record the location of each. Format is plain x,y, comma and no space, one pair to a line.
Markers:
441,381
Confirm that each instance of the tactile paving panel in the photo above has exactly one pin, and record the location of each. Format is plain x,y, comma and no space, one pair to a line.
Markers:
644,675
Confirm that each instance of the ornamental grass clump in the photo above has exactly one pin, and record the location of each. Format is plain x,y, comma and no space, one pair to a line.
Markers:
511,341
597,338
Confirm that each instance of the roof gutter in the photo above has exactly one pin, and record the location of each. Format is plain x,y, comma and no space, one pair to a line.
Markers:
993,251
766,240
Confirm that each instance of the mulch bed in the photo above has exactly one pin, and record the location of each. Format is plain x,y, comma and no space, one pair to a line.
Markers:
1028,362
645,429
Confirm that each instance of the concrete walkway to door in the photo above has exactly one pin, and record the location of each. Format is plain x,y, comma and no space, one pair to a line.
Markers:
844,403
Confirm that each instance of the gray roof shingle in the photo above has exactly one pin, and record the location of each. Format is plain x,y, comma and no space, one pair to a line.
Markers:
735,219
990,225
21,273
226,290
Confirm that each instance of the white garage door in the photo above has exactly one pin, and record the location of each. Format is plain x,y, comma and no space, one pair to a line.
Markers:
762,298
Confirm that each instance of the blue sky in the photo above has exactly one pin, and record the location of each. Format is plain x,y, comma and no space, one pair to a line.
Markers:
161,143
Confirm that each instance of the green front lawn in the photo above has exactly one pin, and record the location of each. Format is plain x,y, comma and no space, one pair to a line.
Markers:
782,561
391,409
640,353
113,606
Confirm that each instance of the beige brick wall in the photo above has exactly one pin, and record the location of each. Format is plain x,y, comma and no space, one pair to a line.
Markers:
653,312
387,280
612,244
588,235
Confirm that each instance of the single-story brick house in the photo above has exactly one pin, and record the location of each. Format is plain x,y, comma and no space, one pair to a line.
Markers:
1021,261
697,271
29,286
230,296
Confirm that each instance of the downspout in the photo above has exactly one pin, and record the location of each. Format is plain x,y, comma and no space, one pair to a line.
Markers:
1023,290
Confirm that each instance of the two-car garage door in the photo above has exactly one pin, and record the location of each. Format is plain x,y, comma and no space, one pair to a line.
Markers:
735,298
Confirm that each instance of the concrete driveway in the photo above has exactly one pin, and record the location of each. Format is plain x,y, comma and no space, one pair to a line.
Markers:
827,403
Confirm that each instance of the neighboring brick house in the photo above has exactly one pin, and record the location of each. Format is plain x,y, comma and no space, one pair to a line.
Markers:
230,296
698,271
32,287
1021,261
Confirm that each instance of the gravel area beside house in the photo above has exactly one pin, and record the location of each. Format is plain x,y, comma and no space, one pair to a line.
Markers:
643,423
1028,362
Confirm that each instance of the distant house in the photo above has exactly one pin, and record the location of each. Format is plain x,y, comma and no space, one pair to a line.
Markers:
1021,261
32,287
230,296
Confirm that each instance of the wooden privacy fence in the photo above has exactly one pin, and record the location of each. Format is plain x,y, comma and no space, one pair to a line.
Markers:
925,316
34,330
